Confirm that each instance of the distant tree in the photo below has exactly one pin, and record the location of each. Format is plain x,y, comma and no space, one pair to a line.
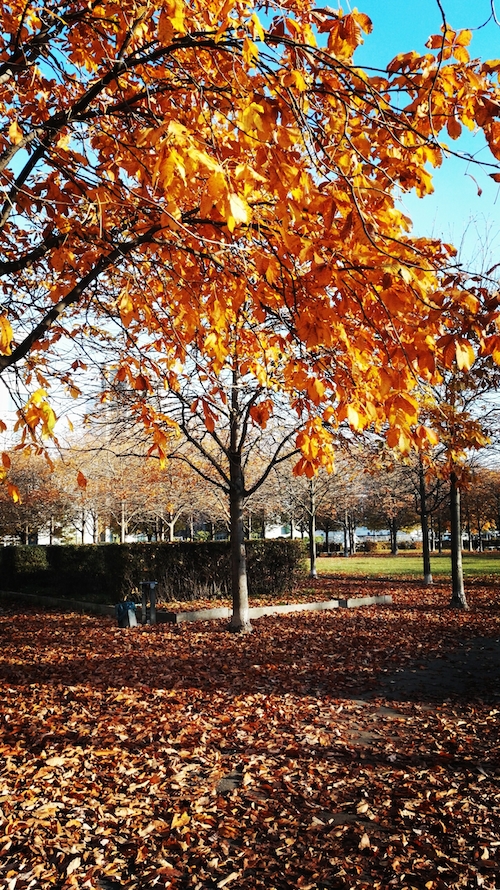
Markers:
41,504
390,503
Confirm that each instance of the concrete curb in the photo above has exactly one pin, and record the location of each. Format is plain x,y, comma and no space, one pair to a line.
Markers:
168,617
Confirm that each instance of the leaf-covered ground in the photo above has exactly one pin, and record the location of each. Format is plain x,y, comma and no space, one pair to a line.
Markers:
326,750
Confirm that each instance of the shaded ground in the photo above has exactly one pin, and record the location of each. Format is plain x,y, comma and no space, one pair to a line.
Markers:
349,749
469,673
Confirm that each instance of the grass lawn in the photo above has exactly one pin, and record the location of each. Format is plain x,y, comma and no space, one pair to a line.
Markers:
409,566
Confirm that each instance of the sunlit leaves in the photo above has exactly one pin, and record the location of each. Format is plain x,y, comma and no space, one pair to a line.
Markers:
15,133
6,335
216,175
38,415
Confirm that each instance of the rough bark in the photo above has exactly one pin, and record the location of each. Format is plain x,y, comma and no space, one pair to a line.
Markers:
458,598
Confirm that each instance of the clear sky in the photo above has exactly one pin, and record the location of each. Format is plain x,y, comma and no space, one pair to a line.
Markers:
403,25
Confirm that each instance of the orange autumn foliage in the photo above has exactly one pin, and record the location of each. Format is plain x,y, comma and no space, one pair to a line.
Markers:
191,173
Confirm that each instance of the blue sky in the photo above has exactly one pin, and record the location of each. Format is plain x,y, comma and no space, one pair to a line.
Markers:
455,207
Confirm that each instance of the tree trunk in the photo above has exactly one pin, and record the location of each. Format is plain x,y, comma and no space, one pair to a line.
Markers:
458,600
480,542
352,535
240,621
123,525
394,536
346,539
312,529
424,522
170,529
469,534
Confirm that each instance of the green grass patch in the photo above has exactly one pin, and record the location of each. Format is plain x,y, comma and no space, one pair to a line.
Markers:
408,565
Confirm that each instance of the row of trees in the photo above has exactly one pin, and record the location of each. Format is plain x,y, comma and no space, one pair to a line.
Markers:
134,496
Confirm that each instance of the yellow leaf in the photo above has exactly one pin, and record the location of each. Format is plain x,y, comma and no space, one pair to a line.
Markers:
250,52
258,30
239,211
464,354
15,133
353,417
179,820
315,390
14,493
6,335
175,12
464,37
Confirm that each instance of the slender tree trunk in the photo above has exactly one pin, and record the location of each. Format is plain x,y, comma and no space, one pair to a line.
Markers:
424,522
170,529
352,535
394,536
480,542
312,529
240,621
458,599
346,539
123,525
470,545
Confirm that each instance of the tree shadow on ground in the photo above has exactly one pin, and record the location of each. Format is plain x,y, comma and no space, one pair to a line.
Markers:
278,660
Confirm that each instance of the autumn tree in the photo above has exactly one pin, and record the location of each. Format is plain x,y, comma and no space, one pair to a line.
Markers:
41,506
173,171
390,503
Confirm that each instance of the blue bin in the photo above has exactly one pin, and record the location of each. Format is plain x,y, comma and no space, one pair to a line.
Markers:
125,614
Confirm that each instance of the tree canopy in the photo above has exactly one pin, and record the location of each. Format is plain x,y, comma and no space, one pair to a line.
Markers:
181,170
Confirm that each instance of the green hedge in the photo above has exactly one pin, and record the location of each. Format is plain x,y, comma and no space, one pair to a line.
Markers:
112,572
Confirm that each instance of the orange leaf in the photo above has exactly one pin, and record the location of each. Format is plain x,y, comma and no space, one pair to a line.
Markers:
81,480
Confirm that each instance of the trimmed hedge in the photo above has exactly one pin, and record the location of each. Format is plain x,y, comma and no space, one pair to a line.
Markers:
108,573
